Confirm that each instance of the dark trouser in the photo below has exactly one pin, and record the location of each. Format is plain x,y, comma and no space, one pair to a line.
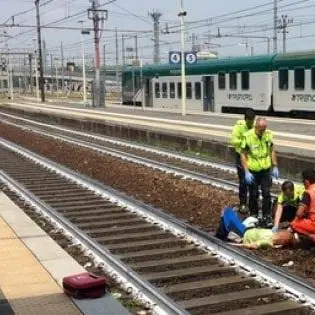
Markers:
242,189
263,180
288,212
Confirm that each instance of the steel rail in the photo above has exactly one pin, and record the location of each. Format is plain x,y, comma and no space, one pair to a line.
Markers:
126,143
206,179
161,152
241,259
164,304
164,167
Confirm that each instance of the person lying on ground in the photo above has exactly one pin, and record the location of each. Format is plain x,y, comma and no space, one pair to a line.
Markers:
286,205
249,236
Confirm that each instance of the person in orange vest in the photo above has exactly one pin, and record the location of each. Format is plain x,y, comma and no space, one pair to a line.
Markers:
304,222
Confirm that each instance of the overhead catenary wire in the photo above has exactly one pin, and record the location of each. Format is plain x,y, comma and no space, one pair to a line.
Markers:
219,20
70,17
26,11
188,27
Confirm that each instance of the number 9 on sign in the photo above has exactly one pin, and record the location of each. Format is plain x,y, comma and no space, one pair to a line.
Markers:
191,58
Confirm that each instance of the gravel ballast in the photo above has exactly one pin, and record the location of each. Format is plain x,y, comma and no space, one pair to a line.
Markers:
192,201
196,203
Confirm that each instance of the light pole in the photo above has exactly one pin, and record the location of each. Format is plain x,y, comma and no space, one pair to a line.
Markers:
182,14
142,86
56,69
10,71
36,71
83,32
9,66
104,65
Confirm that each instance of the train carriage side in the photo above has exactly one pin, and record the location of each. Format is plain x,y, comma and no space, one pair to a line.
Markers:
294,83
244,82
214,85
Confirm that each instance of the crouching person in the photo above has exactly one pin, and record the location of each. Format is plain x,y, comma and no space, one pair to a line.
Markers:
287,203
304,223
250,236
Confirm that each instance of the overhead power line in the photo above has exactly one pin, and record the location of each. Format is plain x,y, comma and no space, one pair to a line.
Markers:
12,18
74,28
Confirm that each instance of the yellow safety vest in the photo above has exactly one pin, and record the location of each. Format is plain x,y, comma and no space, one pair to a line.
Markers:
258,150
238,132
298,195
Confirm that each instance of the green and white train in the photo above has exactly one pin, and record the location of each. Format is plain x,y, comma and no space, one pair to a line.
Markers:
282,83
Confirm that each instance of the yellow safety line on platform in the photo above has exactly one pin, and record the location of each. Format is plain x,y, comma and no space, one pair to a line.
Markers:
28,287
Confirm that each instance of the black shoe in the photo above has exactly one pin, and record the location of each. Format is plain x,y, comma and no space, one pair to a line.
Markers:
266,222
253,214
242,209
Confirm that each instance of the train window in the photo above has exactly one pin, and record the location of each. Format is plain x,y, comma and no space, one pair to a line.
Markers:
172,90
299,78
233,80
283,79
157,90
221,80
179,90
188,90
164,90
313,78
197,90
245,80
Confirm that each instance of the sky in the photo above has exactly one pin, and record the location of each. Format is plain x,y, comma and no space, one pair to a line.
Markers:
244,26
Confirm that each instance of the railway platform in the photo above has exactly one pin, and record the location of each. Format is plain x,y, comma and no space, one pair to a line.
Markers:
291,135
32,266
208,134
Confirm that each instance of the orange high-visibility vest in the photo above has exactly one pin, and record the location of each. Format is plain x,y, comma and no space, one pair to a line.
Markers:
311,208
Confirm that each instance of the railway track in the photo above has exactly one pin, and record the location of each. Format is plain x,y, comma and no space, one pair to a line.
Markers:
177,268
218,175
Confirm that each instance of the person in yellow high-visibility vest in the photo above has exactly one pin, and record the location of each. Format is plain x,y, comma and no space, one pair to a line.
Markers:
260,164
238,133
286,205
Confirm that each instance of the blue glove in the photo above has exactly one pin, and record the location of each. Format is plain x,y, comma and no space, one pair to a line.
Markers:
275,229
275,172
249,177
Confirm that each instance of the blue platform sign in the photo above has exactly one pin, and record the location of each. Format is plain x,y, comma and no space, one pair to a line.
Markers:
190,58
175,57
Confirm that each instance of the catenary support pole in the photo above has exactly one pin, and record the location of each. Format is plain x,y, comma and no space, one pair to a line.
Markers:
62,68
117,65
136,47
156,15
39,40
275,26
182,14
104,64
123,54
30,59
98,17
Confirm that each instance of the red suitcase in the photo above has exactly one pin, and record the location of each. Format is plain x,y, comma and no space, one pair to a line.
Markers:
85,286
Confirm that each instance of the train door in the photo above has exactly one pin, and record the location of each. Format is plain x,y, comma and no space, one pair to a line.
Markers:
148,99
208,93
